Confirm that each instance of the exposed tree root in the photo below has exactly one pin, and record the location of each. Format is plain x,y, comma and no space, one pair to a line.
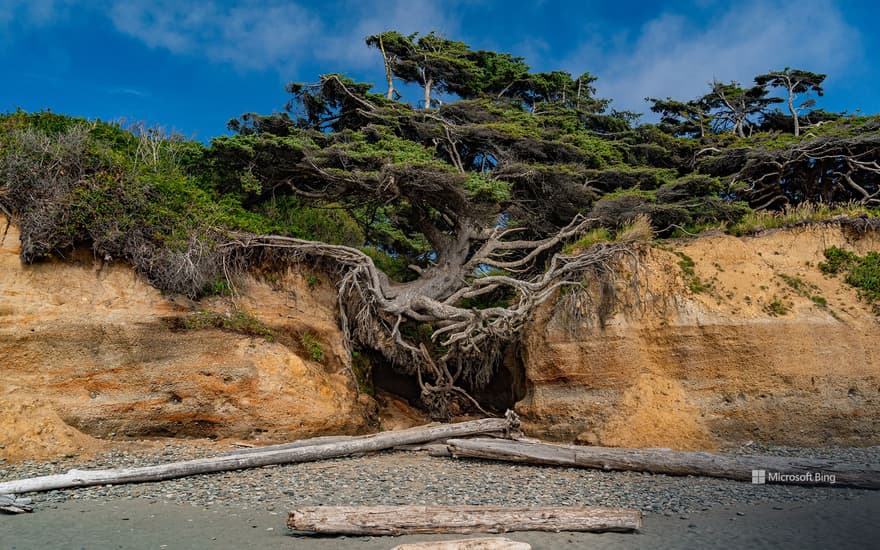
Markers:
465,343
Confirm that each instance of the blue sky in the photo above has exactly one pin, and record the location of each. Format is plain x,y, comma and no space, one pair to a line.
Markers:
191,65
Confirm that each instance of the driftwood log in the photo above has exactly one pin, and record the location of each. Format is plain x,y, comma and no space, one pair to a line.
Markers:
415,520
776,469
484,543
242,460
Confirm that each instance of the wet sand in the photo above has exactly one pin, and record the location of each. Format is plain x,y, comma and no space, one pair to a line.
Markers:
141,523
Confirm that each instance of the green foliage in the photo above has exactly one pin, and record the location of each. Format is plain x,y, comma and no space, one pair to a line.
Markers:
795,283
687,265
865,275
482,186
805,289
344,165
862,272
759,220
594,236
363,372
220,287
312,347
396,267
312,281
238,321
776,308
838,260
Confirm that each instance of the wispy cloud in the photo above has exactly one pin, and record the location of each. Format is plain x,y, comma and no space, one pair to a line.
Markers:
276,34
249,35
19,14
673,55
345,37
134,92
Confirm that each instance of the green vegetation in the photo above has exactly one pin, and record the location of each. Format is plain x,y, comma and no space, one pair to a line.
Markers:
312,281
238,321
598,235
363,372
687,264
805,289
312,347
806,212
862,272
797,284
776,308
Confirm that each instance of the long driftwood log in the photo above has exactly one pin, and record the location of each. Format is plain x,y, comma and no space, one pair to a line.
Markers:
413,520
758,468
484,543
242,460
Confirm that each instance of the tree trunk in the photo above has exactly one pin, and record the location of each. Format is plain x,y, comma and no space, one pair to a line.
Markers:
238,461
429,82
389,76
794,115
408,520
777,470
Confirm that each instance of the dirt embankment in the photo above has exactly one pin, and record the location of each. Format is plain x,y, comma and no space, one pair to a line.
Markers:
756,344
89,350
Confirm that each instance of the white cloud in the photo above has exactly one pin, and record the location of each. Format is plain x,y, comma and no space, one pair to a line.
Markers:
345,40
21,14
275,34
251,35
675,56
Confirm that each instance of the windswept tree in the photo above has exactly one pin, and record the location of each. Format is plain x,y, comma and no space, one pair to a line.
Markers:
436,63
683,118
394,48
471,203
733,105
795,82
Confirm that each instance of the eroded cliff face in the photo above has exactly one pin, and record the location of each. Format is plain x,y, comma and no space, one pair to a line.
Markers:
749,358
89,350
89,353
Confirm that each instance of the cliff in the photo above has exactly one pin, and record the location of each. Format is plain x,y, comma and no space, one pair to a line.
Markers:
90,350
727,340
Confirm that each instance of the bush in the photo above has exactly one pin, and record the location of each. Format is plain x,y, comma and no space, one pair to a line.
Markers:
312,347
639,229
238,321
599,235
862,272
141,196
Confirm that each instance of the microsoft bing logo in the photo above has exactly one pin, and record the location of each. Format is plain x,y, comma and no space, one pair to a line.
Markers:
759,477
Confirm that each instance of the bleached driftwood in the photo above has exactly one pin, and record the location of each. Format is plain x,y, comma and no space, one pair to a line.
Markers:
483,543
242,460
412,520
797,471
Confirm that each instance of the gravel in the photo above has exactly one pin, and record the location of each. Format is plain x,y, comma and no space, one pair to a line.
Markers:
417,478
